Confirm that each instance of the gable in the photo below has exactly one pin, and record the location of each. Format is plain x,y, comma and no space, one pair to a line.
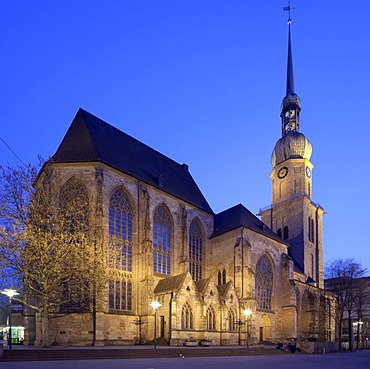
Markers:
90,139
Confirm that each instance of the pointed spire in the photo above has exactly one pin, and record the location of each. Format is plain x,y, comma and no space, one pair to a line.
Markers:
289,76
291,105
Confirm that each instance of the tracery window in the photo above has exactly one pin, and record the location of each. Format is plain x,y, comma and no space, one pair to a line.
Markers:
120,258
195,250
231,320
210,319
264,283
187,317
162,241
74,208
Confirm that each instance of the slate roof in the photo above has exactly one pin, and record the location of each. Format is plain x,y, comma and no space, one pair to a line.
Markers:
239,216
170,284
223,288
90,139
202,284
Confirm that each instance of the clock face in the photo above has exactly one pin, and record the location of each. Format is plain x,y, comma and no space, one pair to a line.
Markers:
290,113
283,172
290,126
308,172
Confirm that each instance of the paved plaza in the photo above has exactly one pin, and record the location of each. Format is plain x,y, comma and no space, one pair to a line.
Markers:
344,360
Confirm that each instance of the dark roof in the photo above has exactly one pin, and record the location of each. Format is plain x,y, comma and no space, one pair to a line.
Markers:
239,216
90,139
223,288
202,284
170,284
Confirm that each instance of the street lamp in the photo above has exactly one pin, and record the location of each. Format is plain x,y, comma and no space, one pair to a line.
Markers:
248,312
359,326
10,293
155,305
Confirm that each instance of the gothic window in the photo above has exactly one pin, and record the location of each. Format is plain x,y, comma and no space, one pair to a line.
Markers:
162,241
74,206
311,229
286,233
210,319
120,258
279,233
195,251
187,317
264,283
231,320
221,277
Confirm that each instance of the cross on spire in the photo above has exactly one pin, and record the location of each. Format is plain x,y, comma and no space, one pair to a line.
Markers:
288,8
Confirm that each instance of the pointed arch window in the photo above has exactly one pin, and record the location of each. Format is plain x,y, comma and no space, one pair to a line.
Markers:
221,277
195,250
187,317
286,232
231,320
264,283
120,258
74,207
210,319
279,233
162,240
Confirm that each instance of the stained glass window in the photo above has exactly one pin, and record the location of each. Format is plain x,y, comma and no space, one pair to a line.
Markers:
195,251
162,241
264,283
120,258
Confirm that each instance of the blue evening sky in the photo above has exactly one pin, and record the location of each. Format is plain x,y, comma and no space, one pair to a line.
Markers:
202,82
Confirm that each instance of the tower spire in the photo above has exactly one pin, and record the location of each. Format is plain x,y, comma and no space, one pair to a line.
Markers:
291,105
290,77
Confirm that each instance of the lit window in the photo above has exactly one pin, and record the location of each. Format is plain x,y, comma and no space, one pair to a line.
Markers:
264,283
195,251
162,241
120,258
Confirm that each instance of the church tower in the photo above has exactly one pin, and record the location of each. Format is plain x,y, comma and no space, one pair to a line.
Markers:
293,215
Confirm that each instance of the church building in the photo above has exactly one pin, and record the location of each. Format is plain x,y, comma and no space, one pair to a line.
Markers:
223,279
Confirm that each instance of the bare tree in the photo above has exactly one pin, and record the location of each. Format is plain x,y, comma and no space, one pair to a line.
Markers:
342,279
49,240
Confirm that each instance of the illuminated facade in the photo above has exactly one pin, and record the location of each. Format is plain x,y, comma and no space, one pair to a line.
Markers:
205,269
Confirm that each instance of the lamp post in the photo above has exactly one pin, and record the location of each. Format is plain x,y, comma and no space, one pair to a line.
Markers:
239,324
10,293
155,305
359,324
248,313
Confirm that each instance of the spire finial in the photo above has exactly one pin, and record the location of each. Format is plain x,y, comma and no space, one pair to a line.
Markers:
288,8
290,79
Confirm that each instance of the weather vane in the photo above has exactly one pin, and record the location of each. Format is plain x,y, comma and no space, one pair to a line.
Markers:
288,8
